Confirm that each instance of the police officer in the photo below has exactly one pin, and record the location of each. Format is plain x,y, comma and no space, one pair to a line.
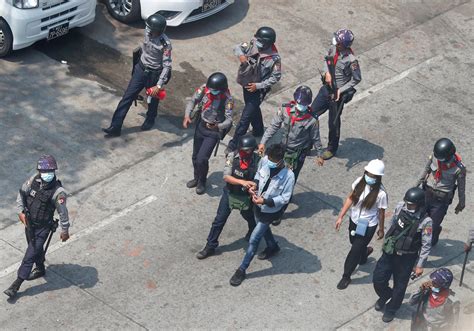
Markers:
443,172
213,105
407,241
239,172
348,75
152,71
261,50
39,197
300,130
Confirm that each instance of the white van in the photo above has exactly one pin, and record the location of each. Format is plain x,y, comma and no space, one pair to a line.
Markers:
23,22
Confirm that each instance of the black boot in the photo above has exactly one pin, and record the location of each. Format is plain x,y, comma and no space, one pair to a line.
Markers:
206,252
268,253
13,289
148,124
343,283
388,316
192,183
36,273
201,187
112,131
237,278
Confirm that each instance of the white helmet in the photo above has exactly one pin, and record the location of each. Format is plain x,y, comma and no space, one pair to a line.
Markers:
375,167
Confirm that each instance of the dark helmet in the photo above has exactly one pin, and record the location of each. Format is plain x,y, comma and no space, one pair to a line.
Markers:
344,37
47,162
247,142
303,95
156,23
444,149
266,35
415,196
442,277
217,81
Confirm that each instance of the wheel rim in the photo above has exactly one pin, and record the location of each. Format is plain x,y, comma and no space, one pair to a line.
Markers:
121,7
2,39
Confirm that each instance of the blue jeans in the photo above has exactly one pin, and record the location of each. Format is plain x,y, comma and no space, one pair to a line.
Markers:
261,230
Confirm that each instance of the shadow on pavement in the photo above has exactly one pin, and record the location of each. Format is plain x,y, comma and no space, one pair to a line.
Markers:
357,150
310,203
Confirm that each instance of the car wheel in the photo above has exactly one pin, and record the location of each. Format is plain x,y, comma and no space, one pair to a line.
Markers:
6,39
126,11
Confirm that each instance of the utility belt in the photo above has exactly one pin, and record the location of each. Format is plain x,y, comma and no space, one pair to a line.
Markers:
148,69
293,157
40,225
441,196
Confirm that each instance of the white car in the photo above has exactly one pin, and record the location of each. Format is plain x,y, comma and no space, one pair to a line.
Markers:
176,12
23,22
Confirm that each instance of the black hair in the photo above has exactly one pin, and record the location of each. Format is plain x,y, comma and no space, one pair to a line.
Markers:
276,152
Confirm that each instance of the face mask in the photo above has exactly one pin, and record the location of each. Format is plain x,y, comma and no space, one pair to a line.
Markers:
370,180
215,92
435,289
47,176
410,210
272,165
301,108
244,154
258,44
449,160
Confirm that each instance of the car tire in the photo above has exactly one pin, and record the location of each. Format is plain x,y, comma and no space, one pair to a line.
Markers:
6,38
126,11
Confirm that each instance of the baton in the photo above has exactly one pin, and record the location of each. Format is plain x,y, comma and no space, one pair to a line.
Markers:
464,264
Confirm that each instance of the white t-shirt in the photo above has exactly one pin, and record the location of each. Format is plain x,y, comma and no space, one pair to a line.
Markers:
371,214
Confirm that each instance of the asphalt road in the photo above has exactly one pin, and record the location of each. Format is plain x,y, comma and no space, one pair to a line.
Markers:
130,263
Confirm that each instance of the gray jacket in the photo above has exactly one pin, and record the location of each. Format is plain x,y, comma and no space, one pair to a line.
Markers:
347,68
156,54
303,134
270,62
59,199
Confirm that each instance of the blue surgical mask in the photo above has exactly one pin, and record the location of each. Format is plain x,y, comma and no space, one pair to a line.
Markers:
272,165
215,92
47,176
258,44
301,108
370,180
435,289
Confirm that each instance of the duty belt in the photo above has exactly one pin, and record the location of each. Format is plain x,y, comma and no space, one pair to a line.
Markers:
441,195
145,68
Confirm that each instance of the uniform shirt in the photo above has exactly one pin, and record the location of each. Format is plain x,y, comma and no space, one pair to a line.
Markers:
449,178
303,134
156,54
436,317
211,114
372,214
347,69
59,200
270,62
279,189
425,227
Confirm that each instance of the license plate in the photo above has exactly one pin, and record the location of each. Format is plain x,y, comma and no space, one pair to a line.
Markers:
58,31
210,4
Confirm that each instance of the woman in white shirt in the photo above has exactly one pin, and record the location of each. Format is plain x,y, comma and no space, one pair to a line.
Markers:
367,202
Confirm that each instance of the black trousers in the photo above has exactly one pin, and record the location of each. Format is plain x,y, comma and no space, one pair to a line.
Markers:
140,80
358,253
437,209
205,140
251,114
320,105
223,213
398,266
34,253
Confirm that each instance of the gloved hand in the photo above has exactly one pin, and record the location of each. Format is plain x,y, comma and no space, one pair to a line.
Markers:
459,208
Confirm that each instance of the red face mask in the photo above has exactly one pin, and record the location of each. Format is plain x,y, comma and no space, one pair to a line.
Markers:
245,157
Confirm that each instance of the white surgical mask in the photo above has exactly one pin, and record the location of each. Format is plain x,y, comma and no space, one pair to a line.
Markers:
301,108
47,176
370,180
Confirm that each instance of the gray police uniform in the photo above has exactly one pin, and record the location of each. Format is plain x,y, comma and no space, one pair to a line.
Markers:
270,73
42,200
440,190
414,245
152,69
300,134
233,168
210,109
348,75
